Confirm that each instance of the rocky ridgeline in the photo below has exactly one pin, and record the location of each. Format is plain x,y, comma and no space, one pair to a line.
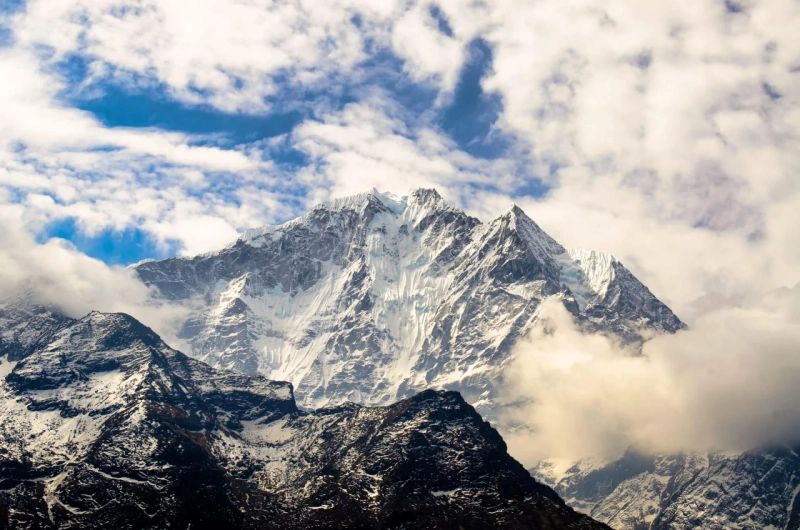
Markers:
102,425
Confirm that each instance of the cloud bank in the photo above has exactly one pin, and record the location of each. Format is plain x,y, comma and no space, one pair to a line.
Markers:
728,383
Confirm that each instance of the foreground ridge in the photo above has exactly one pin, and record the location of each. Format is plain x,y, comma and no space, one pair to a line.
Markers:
103,425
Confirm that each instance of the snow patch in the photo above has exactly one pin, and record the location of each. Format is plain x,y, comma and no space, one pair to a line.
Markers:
6,367
444,493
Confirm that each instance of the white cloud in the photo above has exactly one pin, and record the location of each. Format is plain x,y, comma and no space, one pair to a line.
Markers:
60,162
229,53
368,145
728,383
31,115
57,274
417,38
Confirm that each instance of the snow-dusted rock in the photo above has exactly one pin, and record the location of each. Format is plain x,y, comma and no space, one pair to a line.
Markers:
102,425
747,491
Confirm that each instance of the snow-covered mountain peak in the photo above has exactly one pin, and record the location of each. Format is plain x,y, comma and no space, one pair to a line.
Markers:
360,209
361,205
520,250
426,196
539,241
373,297
360,202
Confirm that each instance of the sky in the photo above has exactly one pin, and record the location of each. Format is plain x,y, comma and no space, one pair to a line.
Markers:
664,133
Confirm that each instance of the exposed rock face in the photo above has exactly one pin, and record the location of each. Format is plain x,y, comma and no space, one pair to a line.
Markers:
747,491
102,425
374,298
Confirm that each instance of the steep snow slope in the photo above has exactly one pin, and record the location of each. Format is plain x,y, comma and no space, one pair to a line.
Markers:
372,298
102,425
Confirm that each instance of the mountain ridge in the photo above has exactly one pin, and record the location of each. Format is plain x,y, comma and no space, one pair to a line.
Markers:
102,424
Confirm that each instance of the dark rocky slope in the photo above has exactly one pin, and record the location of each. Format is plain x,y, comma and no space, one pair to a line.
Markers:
102,425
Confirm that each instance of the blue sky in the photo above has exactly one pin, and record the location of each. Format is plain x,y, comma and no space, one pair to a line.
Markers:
137,131
466,115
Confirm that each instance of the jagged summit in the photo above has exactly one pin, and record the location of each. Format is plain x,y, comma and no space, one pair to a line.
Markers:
364,206
517,219
540,243
426,195
374,297
413,208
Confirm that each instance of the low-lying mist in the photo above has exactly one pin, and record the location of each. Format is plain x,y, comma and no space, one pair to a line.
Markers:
730,382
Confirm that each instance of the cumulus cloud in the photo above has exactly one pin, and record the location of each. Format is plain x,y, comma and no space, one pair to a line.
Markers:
727,383
31,116
428,51
60,162
368,144
668,134
231,54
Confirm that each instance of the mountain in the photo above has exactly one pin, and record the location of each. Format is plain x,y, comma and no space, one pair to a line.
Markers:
102,425
753,490
373,298
23,322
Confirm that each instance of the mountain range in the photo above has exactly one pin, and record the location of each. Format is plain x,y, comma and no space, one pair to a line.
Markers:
103,425
393,321
373,298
